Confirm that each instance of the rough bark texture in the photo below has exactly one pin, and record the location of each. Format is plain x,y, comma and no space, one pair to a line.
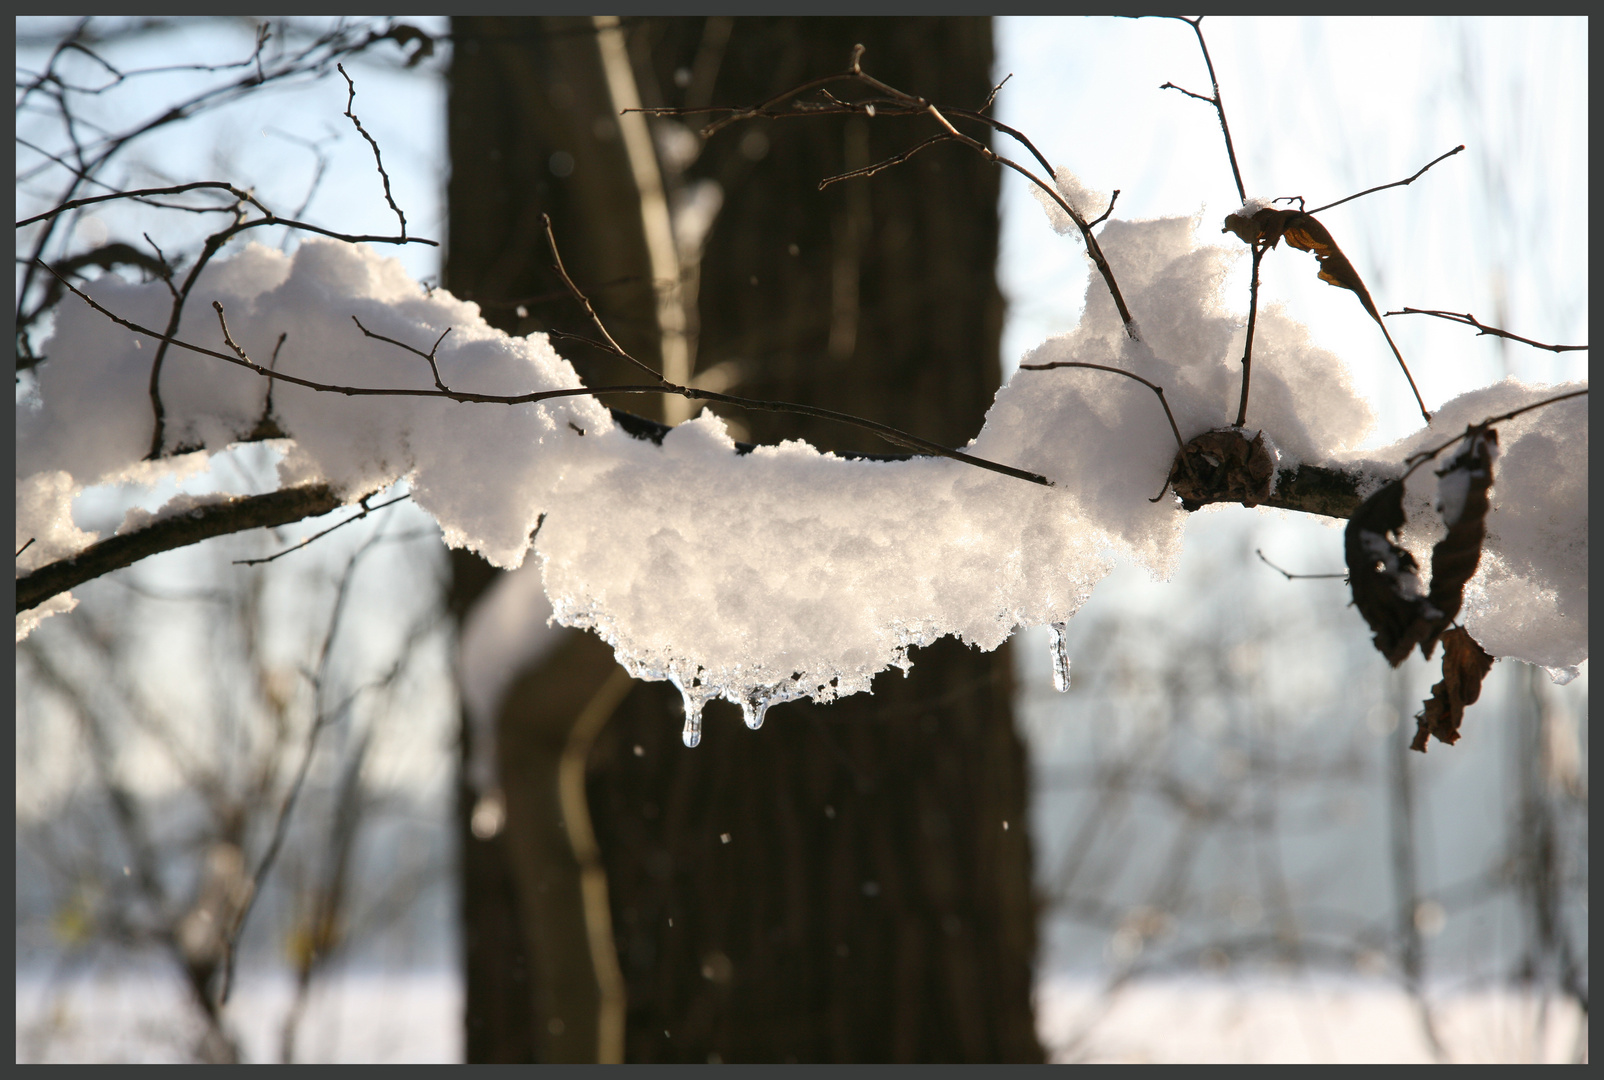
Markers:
853,882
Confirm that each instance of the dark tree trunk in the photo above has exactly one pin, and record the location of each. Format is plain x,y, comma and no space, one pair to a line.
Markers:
852,882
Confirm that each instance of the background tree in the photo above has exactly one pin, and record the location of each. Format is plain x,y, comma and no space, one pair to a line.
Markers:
852,883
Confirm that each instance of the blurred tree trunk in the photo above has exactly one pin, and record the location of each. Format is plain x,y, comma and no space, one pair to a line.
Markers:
852,882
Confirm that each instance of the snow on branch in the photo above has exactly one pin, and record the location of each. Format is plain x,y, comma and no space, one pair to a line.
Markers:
760,574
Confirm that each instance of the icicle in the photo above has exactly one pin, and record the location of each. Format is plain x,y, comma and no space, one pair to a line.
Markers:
693,719
754,707
1060,658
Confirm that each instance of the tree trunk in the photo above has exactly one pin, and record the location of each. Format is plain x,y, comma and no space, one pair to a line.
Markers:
852,882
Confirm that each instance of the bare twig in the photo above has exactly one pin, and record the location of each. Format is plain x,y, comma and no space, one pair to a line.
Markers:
1414,461
1468,319
1099,219
894,102
1395,183
434,365
1219,106
215,519
26,546
885,431
1247,348
895,159
378,159
365,511
1159,390
1289,575
145,193
562,271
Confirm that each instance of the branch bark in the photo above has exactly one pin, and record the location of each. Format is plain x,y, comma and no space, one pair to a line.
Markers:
202,523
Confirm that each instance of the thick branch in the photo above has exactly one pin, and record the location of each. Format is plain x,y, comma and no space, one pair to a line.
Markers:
1316,489
202,523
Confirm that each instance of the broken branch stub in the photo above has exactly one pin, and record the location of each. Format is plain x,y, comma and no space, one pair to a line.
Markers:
1222,466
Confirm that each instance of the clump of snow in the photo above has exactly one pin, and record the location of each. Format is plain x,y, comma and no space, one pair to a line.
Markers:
138,518
1104,439
479,469
44,520
28,621
1528,599
784,572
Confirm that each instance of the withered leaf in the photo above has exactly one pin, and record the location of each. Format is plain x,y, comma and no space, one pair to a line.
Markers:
1302,231
1385,579
1464,665
1462,500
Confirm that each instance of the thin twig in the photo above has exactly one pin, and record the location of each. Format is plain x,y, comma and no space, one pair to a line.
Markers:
899,103
1159,390
885,431
1247,349
176,189
895,159
1219,106
562,271
434,365
366,509
1287,573
26,546
1395,183
1099,219
378,159
1468,319
1414,461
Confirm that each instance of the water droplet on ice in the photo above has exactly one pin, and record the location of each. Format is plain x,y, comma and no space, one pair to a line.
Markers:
1060,652
693,719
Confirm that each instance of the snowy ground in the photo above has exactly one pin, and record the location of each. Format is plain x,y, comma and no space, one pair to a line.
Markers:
128,1015
415,1017
1298,1019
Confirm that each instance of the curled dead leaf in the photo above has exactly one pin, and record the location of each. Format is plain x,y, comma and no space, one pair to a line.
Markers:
1267,227
1385,579
1300,230
1462,487
1464,665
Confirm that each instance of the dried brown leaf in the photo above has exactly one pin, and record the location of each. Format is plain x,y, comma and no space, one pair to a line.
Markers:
1385,579
1462,500
1464,665
1269,226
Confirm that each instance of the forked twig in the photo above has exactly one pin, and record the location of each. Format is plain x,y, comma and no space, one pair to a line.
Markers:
1219,106
1468,319
894,102
366,510
885,431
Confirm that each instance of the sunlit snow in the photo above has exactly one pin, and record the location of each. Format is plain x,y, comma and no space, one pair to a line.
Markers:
785,572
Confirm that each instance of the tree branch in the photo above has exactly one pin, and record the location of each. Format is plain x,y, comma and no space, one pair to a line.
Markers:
1468,319
202,523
